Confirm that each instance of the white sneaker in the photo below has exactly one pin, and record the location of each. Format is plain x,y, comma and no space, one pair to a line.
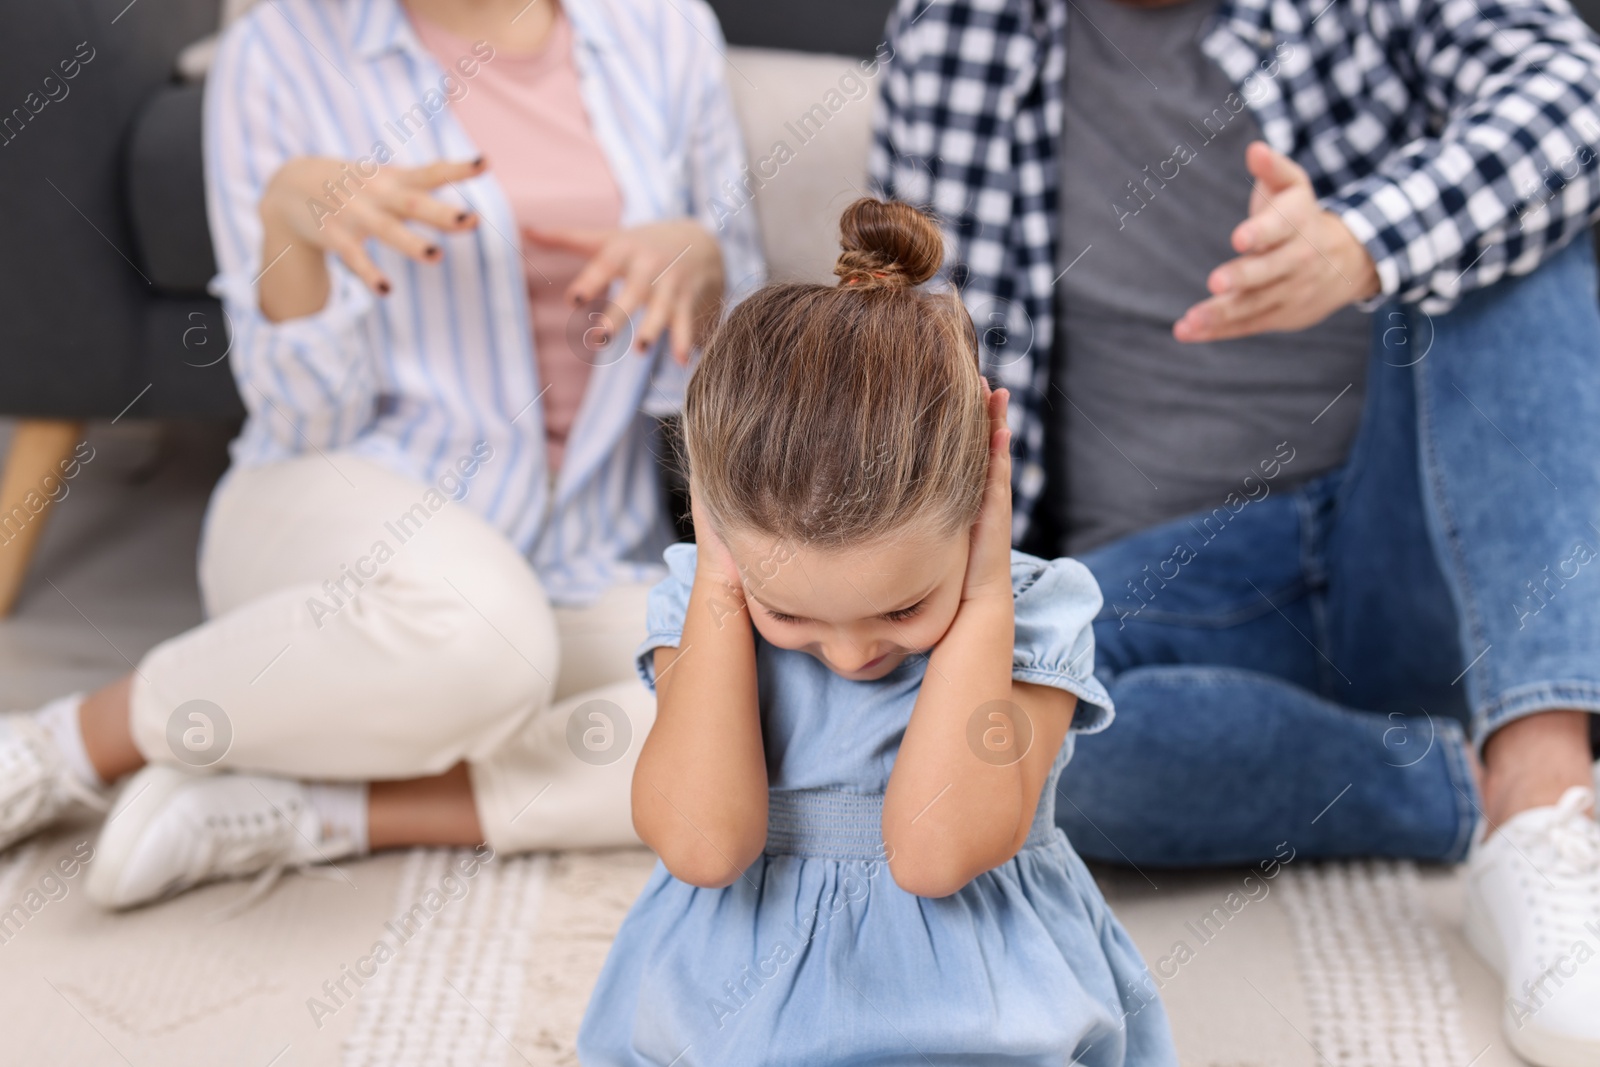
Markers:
36,785
172,830
1533,914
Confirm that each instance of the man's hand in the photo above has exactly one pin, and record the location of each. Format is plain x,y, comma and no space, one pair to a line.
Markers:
1298,264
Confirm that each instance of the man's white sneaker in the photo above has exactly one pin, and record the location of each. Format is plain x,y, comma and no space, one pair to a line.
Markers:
172,830
36,785
1533,913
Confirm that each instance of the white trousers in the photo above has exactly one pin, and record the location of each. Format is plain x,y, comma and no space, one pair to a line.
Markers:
361,627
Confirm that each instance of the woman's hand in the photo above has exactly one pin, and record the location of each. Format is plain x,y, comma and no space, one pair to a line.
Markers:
672,269
301,218
989,560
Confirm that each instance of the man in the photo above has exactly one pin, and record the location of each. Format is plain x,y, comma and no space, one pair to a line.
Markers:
1362,627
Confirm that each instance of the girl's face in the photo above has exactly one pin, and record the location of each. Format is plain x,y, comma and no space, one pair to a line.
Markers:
860,610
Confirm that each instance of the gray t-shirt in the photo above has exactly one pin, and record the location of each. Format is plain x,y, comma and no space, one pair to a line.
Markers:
1153,183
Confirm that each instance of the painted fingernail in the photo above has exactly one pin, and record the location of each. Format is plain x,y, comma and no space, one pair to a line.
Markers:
462,217
383,288
478,162
577,300
432,251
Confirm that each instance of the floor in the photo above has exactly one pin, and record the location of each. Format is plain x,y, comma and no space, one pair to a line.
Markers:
1354,965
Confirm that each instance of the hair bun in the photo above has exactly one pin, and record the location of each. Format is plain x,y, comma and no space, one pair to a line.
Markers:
887,245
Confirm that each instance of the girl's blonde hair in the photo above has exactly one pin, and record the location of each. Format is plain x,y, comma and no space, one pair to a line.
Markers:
835,415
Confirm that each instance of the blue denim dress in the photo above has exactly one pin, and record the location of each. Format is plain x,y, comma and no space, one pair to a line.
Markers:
816,957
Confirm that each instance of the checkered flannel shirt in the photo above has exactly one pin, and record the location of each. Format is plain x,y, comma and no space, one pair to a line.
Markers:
1456,138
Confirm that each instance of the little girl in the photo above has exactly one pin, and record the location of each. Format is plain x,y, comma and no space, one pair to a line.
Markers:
865,699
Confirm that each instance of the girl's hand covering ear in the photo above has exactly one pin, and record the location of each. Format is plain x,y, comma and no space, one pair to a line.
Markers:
989,562
714,559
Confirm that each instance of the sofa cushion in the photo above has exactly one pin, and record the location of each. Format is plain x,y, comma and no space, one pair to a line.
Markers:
807,124
846,27
166,192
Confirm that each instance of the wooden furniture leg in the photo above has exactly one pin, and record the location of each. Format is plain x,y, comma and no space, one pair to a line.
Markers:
33,471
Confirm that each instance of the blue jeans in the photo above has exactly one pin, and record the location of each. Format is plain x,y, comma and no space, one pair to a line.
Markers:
1310,666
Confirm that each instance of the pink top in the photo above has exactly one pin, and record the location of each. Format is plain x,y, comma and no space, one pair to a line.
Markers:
524,111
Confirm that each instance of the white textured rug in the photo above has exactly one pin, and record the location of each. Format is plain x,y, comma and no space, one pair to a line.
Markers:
402,960
1344,965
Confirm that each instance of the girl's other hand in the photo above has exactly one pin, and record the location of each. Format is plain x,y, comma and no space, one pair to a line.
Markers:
989,561
672,269
715,561
297,207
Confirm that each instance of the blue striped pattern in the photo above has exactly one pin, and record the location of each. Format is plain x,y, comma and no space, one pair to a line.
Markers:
417,379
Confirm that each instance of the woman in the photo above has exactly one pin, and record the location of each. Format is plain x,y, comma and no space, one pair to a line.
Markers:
426,568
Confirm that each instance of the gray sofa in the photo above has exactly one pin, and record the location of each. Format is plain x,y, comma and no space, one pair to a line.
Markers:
104,249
